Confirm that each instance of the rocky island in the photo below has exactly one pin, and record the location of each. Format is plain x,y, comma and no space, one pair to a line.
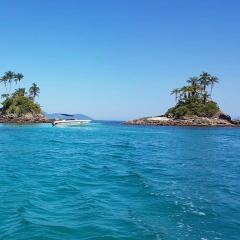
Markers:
19,106
194,107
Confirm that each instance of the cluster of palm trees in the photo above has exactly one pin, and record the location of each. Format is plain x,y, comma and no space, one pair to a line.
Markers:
197,89
10,77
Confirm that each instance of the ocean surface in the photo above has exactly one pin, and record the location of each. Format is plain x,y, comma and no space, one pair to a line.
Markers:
108,181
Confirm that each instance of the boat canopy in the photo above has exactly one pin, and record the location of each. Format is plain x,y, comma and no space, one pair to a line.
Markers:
66,115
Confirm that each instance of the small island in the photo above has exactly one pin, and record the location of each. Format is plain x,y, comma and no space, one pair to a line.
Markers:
194,107
19,106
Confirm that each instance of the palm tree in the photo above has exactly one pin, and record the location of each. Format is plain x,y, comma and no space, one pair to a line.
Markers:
4,95
176,93
4,80
184,93
19,92
194,81
18,78
205,96
213,80
34,91
190,91
205,80
9,75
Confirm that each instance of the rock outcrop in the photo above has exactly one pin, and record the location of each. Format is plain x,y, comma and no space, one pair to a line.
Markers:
218,121
24,118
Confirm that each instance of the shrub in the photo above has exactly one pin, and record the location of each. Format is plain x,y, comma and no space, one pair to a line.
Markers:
195,108
19,105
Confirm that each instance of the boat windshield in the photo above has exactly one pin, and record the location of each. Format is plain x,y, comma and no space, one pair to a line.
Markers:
65,116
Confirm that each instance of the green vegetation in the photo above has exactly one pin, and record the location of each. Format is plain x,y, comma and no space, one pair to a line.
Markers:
194,99
18,102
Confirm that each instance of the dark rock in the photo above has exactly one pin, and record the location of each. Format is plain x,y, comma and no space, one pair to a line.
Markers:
236,122
225,117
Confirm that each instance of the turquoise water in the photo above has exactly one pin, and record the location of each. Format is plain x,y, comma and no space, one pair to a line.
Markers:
109,181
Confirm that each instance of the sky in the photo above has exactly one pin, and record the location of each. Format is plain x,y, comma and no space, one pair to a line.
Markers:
118,60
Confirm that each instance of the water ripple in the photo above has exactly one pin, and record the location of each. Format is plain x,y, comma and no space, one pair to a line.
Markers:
110,181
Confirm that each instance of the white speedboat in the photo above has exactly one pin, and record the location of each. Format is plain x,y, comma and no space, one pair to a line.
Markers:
70,121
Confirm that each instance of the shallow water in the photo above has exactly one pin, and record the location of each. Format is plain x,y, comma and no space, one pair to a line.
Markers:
109,181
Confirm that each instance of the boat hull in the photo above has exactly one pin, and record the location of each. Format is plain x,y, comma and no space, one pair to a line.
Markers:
71,122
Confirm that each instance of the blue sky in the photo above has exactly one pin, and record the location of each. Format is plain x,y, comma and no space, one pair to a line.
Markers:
120,59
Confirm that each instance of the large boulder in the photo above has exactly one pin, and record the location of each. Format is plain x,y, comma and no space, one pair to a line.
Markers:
225,117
